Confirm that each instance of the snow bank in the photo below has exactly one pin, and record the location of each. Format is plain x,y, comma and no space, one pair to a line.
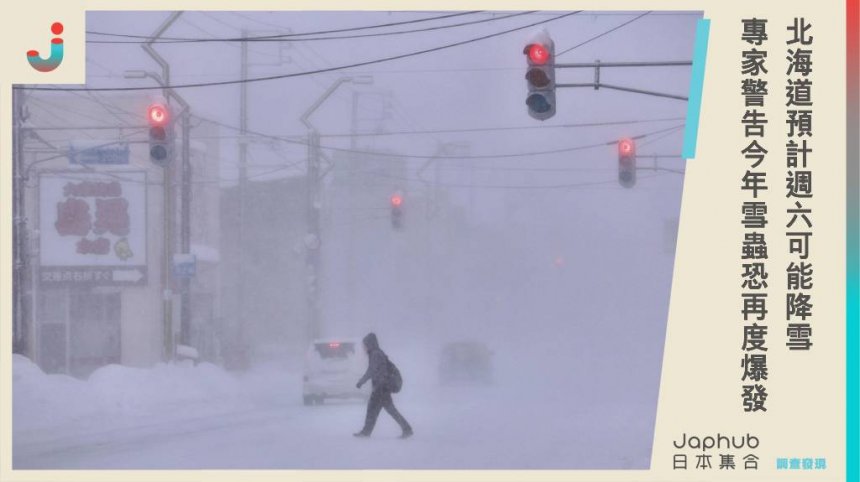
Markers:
39,399
125,388
120,392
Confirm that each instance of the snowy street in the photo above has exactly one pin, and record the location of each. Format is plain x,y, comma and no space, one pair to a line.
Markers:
269,428
214,278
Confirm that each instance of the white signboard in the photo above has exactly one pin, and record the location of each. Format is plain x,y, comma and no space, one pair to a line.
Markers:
92,228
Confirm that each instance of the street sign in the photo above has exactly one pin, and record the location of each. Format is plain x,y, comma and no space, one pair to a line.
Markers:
184,265
94,153
92,228
92,275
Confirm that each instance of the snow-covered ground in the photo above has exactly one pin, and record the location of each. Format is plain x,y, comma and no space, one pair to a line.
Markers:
182,416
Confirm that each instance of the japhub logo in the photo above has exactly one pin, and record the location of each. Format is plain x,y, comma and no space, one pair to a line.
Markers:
56,56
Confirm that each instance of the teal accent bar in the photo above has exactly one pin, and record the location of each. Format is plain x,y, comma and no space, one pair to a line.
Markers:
852,271
852,278
697,80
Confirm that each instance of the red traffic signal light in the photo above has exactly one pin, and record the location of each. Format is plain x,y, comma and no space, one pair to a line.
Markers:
396,210
540,76
626,147
538,54
160,134
627,162
157,115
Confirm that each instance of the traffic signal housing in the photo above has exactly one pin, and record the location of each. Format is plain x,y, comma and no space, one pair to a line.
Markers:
540,76
397,210
627,162
160,134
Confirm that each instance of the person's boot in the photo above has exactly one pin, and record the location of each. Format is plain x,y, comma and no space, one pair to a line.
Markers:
407,433
361,434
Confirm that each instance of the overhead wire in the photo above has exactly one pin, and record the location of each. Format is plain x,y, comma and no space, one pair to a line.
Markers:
458,157
507,128
604,33
318,32
427,156
507,186
306,73
311,39
666,131
112,109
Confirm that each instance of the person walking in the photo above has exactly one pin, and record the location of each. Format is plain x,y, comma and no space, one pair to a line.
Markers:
380,372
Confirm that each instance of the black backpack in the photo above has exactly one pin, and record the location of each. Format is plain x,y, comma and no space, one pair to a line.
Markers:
395,380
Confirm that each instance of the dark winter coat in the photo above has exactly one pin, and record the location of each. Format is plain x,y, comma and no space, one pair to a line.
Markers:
377,367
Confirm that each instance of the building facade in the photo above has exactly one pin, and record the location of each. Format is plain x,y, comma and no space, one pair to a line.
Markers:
96,285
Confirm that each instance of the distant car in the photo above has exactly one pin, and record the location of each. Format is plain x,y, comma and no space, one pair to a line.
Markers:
466,361
332,368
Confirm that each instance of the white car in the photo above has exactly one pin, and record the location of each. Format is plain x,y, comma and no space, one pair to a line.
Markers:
332,368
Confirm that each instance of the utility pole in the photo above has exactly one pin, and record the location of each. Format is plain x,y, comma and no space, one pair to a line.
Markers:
168,171
167,260
243,179
185,221
313,238
21,329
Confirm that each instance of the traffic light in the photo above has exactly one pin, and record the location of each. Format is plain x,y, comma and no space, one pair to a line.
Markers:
627,162
160,134
397,210
540,76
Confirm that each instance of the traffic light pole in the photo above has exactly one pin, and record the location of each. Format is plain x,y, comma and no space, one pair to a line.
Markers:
599,64
596,85
167,261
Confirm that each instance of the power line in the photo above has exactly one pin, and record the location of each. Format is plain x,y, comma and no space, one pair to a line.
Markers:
428,156
529,169
289,35
506,128
604,33
308,39
657,138
509,186
116,174
312,72
393,133
505,155
511,69
50,108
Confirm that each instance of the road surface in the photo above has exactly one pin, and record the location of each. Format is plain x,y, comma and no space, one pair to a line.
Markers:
455,428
